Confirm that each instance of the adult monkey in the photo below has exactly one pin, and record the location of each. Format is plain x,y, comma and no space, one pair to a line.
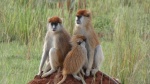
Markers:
83,26
56,46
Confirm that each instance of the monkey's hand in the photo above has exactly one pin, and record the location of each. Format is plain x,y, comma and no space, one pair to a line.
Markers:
94,71
40,73
88,72
44,75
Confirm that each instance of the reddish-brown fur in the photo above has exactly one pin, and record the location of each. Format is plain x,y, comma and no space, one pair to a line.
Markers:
83,12
63,46
62,41
88,28
75,57
56,47
55,19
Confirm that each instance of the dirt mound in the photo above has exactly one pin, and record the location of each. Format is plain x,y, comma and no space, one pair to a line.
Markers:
100,78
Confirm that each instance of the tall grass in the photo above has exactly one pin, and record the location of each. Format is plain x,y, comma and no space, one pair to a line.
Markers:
123,24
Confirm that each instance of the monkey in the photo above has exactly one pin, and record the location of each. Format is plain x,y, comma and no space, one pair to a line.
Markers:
56,46
75,59
83,26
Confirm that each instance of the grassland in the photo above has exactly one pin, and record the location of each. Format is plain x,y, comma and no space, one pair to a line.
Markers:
124,27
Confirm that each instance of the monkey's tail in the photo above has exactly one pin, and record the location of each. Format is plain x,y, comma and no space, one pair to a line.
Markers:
63,79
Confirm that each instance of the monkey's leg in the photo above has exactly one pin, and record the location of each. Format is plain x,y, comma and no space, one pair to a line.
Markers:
76,77
46,48
53,58
47,67
85,65
98,59
82,71
90,61
43,59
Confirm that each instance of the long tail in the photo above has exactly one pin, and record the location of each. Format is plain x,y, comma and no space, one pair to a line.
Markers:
63,79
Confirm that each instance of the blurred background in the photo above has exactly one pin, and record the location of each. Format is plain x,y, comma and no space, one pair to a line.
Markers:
123,27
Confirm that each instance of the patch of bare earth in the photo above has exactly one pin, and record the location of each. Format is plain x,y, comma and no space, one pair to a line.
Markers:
100,78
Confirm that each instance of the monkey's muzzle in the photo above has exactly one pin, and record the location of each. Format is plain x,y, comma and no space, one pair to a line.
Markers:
54,29
78,22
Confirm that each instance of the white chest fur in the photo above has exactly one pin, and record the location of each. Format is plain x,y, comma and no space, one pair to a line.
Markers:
54,42
81,30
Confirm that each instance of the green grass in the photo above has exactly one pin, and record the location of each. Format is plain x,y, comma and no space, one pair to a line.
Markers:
16,68
124,24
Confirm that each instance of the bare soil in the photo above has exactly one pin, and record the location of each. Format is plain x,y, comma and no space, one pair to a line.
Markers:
100,78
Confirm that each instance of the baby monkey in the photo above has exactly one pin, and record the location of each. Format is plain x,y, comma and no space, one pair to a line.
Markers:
75,59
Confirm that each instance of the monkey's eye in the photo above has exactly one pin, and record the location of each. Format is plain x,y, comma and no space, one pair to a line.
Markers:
87,15
78,16
54,24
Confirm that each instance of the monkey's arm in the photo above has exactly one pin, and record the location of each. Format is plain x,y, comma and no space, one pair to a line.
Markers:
90,61
46,48
98,59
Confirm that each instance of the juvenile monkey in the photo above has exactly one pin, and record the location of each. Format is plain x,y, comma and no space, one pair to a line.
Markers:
75,59
56,46
83,26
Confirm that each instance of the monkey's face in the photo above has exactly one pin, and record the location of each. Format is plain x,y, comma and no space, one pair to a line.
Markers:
82,18
78,40
81,41
54,24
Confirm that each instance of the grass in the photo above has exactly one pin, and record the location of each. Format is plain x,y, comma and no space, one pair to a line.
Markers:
123,24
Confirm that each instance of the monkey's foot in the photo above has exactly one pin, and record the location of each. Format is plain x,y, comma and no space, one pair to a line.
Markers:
76,77
48,73
82,72
94,71
40,73
87,73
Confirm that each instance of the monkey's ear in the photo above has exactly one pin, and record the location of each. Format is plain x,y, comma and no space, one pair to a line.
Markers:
84,39
62,19
48,26
88,14
48,19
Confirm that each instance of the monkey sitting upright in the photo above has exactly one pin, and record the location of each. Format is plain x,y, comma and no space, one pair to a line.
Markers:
83,26
56,46
75,59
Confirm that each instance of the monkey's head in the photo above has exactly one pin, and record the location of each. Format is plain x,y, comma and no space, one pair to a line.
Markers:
55,24
83,17
78,39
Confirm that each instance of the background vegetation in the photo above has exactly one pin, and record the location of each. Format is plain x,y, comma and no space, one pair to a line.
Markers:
123,27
